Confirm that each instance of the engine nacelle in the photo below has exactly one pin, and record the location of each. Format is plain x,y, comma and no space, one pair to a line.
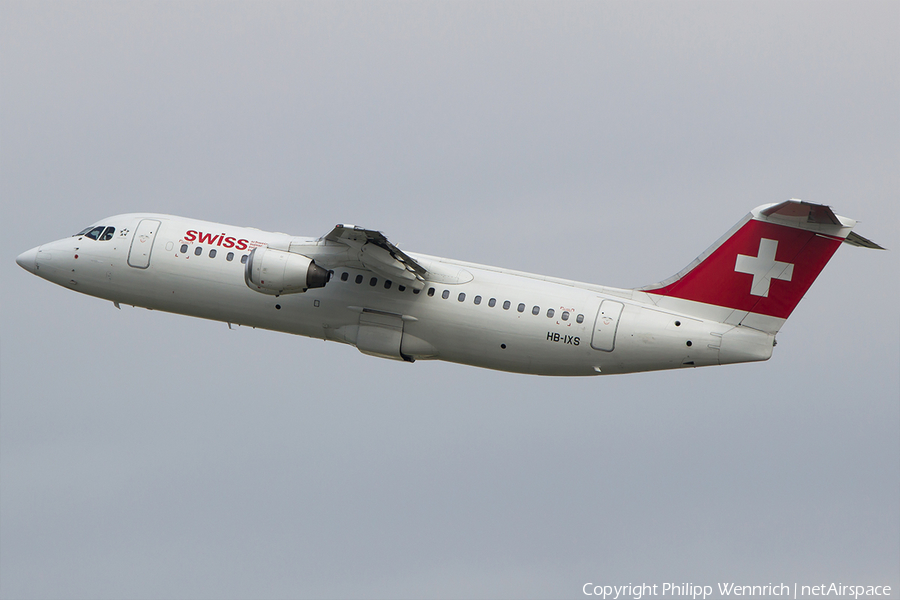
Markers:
276,272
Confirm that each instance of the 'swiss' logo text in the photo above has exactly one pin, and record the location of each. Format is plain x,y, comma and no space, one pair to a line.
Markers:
217,240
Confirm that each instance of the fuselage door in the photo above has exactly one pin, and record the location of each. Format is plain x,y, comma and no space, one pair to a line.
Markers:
606,324
142,243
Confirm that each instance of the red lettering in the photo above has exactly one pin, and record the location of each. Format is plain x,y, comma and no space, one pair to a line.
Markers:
218,240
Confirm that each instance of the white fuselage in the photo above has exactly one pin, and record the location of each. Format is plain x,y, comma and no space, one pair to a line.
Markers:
593,329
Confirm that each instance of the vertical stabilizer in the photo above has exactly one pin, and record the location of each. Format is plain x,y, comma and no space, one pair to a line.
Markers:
758,272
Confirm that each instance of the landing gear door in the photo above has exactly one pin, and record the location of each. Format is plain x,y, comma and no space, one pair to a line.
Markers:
142,243
606,325
380,334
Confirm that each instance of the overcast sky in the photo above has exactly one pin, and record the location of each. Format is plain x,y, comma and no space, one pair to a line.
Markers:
148,455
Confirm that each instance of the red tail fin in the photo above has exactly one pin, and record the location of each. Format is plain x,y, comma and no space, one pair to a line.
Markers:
765,265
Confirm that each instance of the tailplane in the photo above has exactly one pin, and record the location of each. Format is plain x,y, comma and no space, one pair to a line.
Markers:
757,273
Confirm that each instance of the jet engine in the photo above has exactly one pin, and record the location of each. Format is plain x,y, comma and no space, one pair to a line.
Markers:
277,272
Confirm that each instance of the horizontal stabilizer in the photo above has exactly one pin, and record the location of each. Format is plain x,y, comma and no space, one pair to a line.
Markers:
854,239
805,211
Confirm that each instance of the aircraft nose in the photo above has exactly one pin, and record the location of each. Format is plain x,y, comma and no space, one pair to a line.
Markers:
28,259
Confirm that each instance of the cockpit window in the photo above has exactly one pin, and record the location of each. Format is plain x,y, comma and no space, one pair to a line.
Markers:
100,233
94,233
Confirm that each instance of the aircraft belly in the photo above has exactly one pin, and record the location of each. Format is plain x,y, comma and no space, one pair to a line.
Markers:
516,347
649,340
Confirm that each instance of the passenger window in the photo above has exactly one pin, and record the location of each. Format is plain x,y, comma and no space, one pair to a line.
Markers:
536,310
387,284
521,307
565,315
431,291
446,294
345,276
198,251
580,319
244,259
401,288
550,313
212,253
492,302
94,233
415,291
461,297
184,248
107,234
506,305
229,257
373,282
359,279
477,300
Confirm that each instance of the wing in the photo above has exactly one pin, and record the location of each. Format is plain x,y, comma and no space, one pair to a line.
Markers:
372,250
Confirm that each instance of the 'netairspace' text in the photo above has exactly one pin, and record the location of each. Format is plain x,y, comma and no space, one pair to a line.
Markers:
691,590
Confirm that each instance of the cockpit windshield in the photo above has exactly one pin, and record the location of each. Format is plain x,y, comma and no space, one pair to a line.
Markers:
100,233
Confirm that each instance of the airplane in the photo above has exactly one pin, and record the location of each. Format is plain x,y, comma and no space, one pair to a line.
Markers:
355,287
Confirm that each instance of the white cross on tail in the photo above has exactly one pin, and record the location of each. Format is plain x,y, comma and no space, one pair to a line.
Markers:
764,267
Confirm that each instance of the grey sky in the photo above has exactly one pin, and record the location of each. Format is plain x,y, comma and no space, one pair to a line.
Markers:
151,455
